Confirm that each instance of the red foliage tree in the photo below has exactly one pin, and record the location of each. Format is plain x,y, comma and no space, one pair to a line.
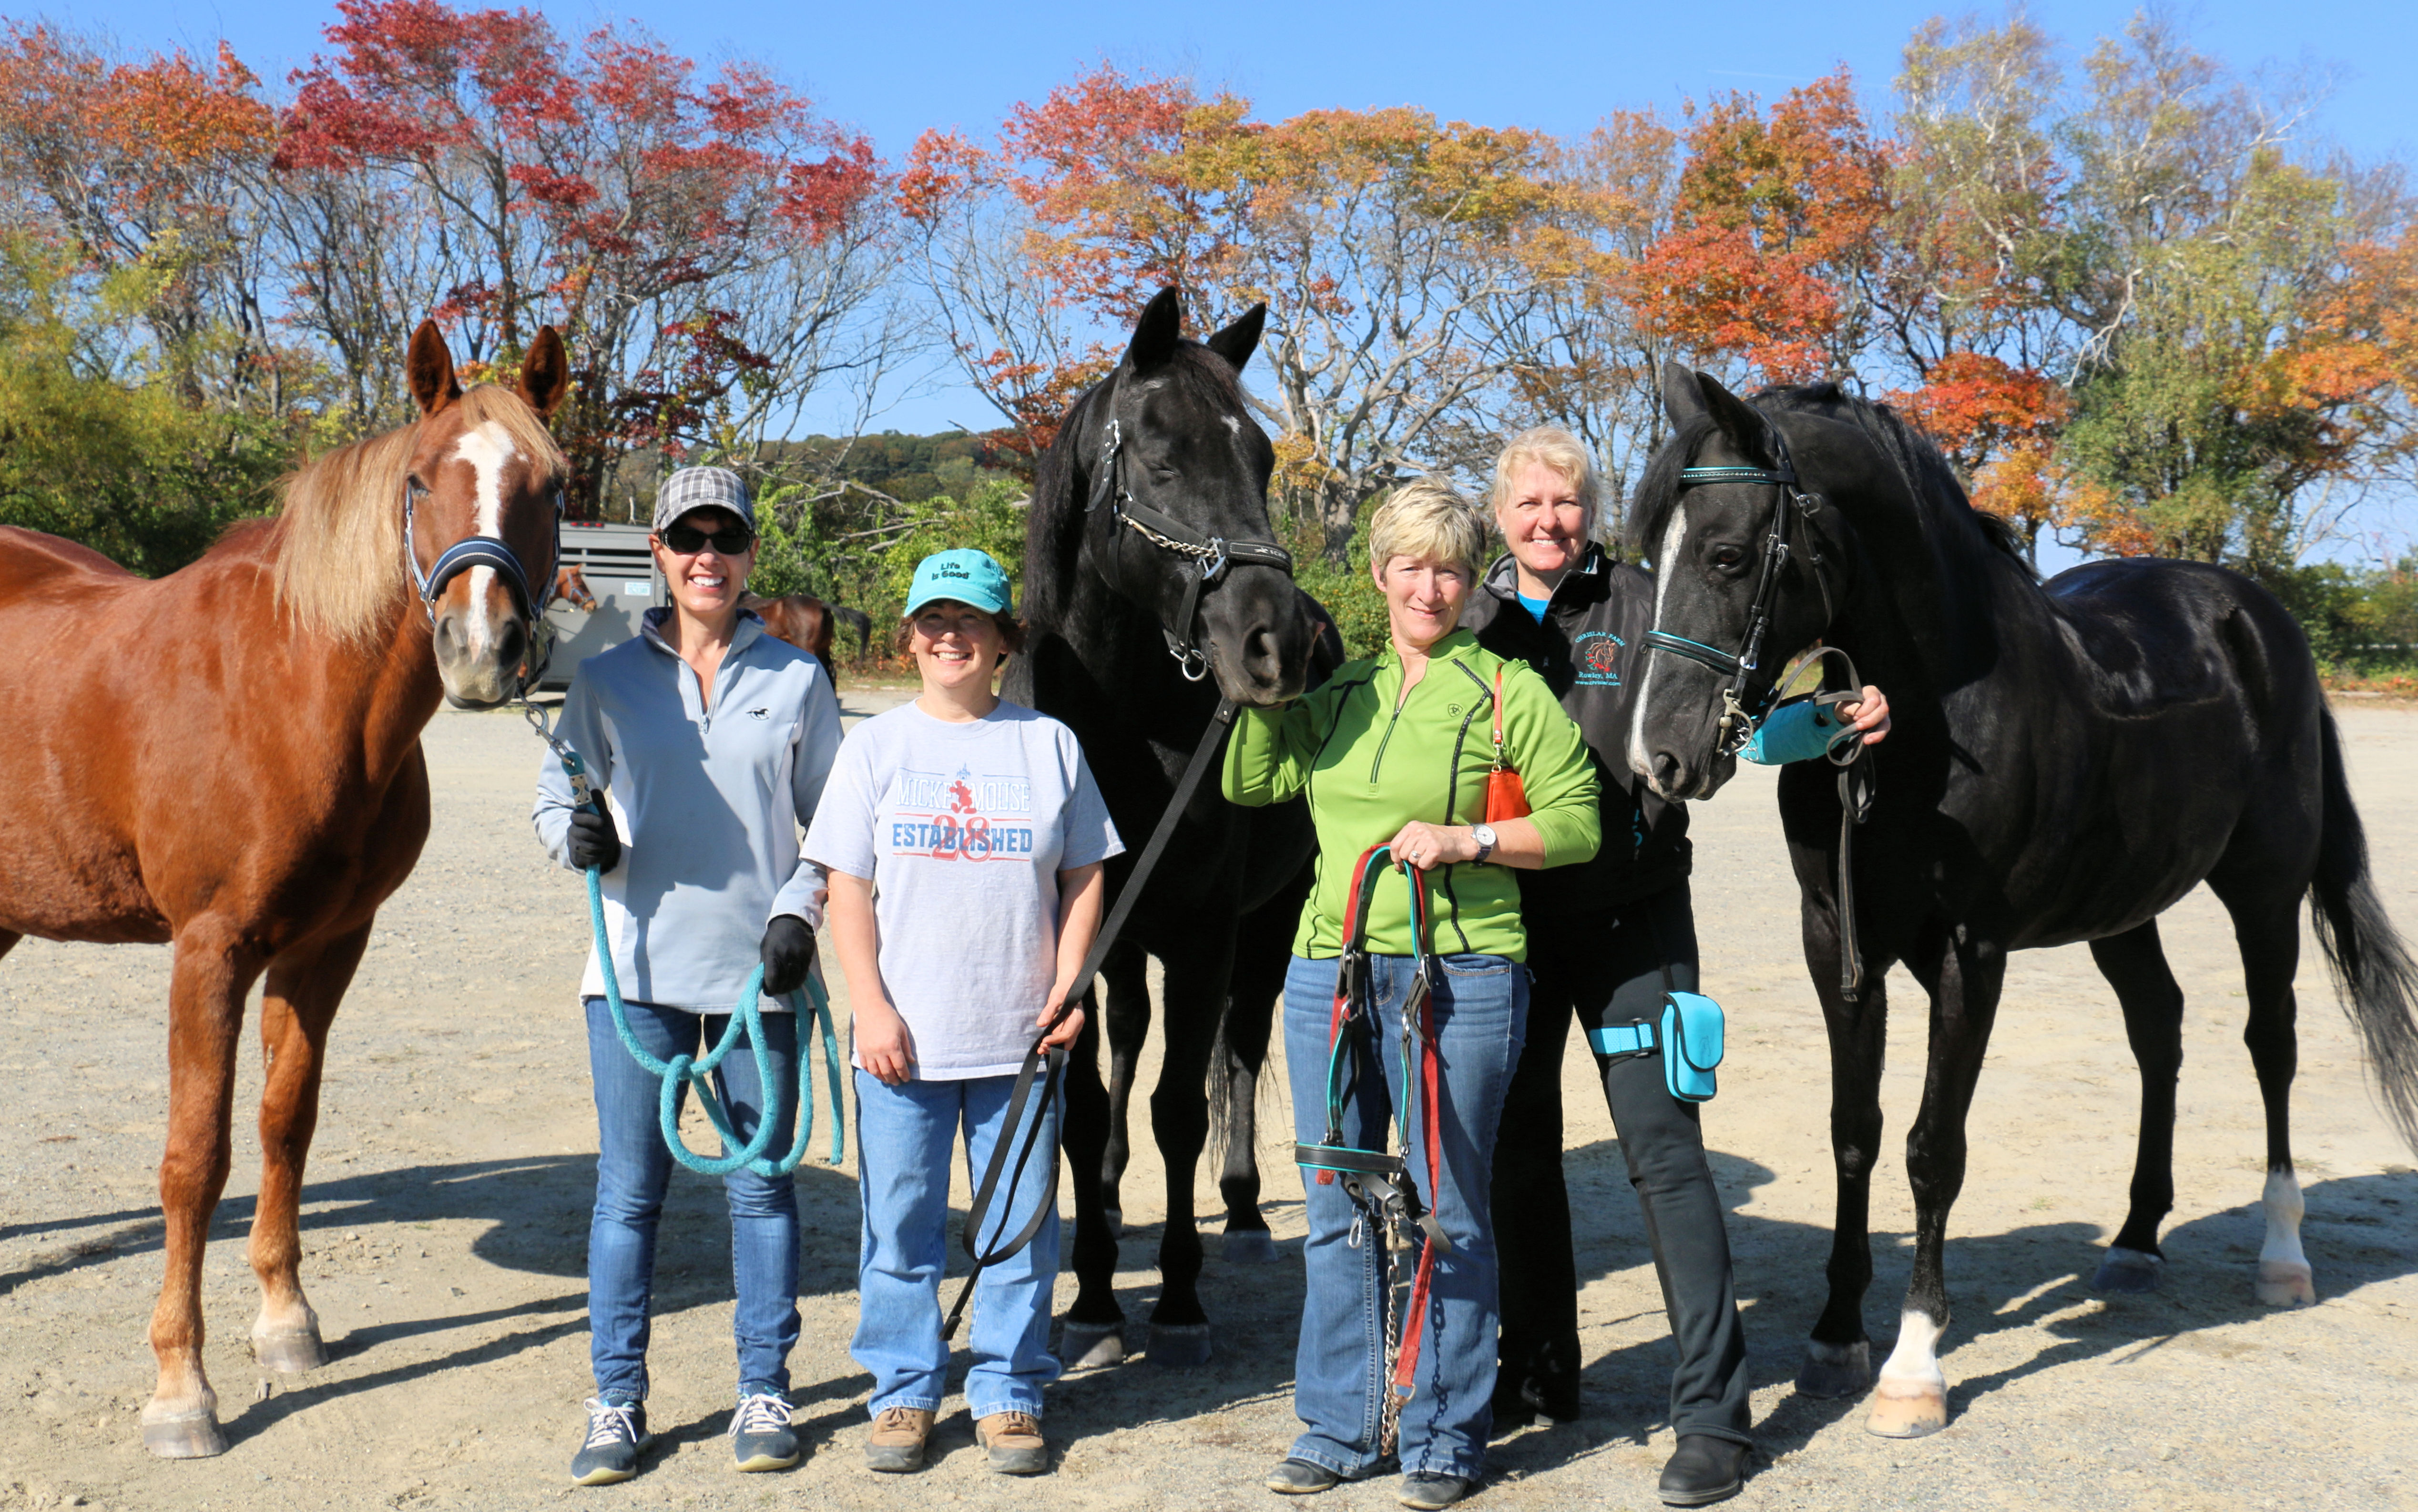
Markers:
603,187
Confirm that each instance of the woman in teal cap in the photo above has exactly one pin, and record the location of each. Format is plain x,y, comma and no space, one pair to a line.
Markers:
964,839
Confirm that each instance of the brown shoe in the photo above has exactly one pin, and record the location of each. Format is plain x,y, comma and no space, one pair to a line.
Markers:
1015,1442
896,1444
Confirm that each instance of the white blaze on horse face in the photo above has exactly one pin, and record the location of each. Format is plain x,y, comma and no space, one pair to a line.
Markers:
489,451
1674,534
2285,1280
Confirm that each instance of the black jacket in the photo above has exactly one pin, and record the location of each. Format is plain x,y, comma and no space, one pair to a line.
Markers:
1589,648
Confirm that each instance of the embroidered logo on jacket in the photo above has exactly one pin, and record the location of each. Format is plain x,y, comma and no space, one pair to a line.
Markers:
1597,655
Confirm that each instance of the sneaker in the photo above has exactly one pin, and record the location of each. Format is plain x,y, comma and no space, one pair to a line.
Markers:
616,1434
1015,1442
760,1435
896,1444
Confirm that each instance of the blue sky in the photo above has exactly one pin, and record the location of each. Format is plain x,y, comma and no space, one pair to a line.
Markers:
892,68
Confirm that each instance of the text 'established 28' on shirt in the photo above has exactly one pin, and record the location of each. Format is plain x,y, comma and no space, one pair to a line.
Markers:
962,828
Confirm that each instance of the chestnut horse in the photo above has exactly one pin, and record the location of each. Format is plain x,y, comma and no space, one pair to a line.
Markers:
803,620
228,758
571,587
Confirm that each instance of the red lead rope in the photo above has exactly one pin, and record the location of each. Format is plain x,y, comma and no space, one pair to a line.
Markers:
1431,1114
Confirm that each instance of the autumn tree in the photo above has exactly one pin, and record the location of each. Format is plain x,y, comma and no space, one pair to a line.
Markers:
150,173
1776,243
706,241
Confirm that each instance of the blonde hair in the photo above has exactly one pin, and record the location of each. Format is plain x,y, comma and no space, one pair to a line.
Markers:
1426,518
340,537
1559,452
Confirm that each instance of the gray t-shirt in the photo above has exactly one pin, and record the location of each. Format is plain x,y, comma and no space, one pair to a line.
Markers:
963,829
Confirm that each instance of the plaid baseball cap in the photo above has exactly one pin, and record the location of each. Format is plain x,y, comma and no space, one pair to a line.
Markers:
702,488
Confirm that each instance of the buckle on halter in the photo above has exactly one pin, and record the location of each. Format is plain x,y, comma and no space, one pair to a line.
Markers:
1216,562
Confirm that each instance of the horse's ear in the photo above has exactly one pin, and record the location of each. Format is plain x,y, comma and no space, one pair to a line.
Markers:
1156,333
1690,396
429,367
1237,342
546,372
1681,399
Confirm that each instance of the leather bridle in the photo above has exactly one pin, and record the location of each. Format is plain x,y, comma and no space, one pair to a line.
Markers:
1205,557
1737,720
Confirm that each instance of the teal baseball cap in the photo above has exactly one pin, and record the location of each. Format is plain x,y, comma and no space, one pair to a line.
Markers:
965,575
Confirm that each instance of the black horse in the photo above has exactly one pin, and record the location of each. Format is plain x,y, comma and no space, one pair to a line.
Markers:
2069,759
1136,628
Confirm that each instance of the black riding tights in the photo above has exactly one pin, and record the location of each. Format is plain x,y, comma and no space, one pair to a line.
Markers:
1609,970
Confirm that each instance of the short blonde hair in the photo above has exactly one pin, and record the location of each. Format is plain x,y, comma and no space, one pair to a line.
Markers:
1559,452
1426,518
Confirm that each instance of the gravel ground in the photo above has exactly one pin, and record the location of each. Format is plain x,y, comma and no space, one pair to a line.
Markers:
445,1220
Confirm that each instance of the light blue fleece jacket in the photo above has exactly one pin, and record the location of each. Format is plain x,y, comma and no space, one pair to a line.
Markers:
708,803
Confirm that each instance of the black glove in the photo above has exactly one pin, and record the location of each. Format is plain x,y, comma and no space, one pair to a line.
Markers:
594,842
788,950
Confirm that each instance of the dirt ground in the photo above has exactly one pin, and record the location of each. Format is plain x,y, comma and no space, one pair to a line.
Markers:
446,1215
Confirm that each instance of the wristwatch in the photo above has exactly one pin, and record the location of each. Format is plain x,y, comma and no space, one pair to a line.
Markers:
1484,836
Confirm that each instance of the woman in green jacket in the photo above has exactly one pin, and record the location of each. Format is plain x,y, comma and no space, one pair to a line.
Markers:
1397,749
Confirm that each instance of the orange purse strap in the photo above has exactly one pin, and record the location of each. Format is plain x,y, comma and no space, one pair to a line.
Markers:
1498,718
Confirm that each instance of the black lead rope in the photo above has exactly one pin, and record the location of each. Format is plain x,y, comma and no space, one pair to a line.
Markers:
1054,1058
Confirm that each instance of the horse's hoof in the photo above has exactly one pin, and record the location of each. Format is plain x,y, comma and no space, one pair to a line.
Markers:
1907,1411
289,1350
1091,1346
2286,1284
1184,1347
1249,1246
1836,1370
2130,1271
1113,1220
183,1435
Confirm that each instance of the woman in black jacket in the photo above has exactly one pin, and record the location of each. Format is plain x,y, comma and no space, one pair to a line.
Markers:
1602,937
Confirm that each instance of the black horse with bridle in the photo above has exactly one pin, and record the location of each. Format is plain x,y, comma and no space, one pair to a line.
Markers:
1154,589
2068,761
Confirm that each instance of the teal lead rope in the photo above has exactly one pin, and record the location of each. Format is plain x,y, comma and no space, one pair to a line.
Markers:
687,1070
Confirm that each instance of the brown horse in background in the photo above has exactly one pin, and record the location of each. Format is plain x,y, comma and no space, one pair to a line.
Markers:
229,758
571,587
803,620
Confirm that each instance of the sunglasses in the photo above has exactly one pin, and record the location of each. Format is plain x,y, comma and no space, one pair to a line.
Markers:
688,540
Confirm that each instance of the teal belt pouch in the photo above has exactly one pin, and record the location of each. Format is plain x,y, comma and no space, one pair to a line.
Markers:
1798,731
1689,1037
1691,1046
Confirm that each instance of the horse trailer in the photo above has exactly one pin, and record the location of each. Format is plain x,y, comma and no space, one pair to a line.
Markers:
621,573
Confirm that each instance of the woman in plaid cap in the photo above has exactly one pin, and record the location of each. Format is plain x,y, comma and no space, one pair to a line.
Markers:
714,740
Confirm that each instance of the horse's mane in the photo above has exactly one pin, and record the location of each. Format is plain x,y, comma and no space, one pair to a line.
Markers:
338,539
1929,479
1054,530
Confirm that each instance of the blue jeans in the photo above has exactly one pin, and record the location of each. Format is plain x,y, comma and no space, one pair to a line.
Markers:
1481,1009
904,1137
634,1169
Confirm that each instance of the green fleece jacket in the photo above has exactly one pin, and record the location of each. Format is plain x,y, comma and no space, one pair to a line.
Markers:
1372,761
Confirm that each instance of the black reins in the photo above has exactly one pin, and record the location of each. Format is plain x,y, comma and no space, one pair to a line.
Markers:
1738,721
1205,557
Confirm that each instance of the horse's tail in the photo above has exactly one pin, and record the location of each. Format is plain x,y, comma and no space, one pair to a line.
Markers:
2372,970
